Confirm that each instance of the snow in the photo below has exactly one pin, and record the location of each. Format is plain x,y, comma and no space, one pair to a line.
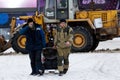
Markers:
83,66
109,44
8,51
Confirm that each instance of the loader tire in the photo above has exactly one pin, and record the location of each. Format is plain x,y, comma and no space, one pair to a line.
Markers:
95,44
82,40
18,43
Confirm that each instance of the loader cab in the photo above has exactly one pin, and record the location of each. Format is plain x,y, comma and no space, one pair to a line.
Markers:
60,9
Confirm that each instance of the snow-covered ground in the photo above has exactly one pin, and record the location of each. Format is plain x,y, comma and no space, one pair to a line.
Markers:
110,44
83,66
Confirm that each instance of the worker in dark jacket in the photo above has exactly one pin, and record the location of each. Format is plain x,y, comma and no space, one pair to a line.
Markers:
34,44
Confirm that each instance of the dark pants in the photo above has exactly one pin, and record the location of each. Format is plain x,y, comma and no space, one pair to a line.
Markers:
35,58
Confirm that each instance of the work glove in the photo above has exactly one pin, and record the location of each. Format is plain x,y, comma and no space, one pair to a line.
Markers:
54,47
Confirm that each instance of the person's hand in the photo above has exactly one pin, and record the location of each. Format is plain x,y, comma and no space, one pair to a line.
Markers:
54,47
44,48
68,44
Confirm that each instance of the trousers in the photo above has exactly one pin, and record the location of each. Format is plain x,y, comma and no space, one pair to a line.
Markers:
35,61
63,58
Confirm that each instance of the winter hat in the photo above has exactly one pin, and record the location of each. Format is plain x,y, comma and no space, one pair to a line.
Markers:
29,20
62,20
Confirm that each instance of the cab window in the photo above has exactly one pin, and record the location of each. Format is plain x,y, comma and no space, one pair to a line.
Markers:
61,3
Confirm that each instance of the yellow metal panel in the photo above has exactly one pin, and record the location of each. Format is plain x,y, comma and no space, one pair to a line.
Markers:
39,19
109,17
80,20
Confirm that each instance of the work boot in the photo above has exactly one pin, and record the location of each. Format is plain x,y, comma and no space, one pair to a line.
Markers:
60,73
65,71
41,72
33,73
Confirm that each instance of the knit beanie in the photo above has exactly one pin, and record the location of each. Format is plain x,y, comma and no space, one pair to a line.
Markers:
62,20
29,20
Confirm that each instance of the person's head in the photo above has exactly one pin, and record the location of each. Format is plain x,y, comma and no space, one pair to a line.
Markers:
62,23
30,22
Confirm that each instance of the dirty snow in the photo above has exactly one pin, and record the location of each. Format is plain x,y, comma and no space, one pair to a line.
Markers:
83,66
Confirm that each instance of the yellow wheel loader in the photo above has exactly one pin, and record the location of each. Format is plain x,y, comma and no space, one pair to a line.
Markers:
90,26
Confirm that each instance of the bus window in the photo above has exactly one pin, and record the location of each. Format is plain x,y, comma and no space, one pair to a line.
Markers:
18,3
41,5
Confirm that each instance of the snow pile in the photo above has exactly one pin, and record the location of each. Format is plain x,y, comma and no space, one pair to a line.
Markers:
109,44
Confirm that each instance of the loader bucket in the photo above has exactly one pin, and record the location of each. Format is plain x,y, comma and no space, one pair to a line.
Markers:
4,45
